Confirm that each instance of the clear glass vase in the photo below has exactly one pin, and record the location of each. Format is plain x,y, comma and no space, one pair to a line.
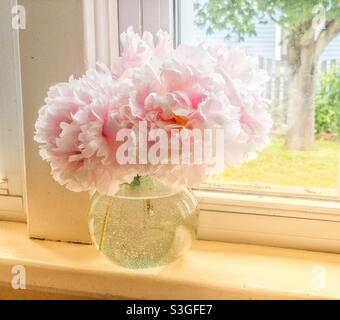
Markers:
145,224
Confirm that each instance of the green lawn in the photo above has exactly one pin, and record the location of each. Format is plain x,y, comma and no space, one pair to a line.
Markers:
278,166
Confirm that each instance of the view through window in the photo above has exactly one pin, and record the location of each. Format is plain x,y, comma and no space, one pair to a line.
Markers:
300,50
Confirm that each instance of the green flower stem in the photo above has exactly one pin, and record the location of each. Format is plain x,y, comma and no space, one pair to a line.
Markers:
149,209
108,208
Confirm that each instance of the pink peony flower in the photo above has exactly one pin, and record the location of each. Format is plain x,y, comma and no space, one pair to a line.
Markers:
137,51
190,88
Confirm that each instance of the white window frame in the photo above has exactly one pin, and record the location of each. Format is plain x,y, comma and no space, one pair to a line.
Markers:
277,219
12,180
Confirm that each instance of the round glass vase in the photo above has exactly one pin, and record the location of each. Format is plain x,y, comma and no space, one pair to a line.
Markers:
146,224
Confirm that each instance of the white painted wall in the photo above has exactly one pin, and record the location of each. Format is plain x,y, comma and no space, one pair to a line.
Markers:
51,49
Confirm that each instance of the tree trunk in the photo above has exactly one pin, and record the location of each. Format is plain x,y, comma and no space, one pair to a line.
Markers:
301,67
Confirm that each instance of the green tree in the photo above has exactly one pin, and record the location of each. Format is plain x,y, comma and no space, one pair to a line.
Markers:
308,25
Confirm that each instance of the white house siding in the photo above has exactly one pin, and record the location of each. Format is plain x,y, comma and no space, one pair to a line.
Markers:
333,50
263,44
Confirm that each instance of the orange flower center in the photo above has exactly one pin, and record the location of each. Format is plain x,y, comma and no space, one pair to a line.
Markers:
181,120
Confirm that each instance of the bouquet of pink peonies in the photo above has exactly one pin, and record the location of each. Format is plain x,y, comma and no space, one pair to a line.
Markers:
108,126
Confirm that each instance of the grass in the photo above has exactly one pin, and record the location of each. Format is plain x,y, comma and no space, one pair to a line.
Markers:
278,166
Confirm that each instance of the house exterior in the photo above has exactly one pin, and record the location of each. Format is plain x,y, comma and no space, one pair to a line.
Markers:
267,42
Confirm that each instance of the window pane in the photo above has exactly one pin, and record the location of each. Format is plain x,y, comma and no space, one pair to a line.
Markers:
11,158
304,93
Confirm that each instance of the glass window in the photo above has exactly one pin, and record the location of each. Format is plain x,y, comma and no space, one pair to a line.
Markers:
11,150
10,106
303,89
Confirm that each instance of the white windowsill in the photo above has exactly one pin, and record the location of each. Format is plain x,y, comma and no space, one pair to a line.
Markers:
211,270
